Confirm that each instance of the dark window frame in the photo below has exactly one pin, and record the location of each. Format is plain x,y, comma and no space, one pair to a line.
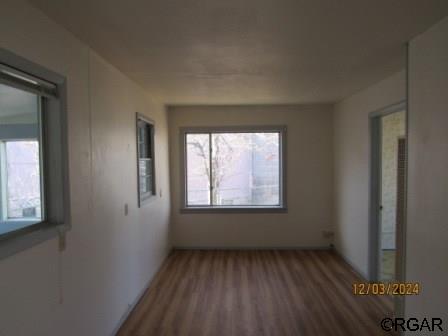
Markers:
281,208
51,87
143,198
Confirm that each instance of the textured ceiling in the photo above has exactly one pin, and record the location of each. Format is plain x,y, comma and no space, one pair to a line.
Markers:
249,51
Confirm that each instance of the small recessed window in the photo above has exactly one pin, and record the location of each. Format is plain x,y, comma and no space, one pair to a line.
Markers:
34,195
145,161
230,168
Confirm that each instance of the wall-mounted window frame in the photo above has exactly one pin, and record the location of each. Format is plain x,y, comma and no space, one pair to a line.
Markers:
146,167
281,207
50,88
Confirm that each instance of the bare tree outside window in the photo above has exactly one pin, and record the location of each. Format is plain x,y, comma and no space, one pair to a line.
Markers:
23,179
243,170
198,168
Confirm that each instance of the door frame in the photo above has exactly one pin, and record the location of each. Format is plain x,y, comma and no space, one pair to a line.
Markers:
375,194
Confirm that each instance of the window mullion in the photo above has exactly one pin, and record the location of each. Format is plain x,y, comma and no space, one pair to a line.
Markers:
42,163
3,182
211,167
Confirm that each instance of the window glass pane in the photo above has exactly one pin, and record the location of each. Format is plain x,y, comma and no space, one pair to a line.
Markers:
142,139
20,166
246,169
23,179
146,177
145,186
145,138
145,167
198,169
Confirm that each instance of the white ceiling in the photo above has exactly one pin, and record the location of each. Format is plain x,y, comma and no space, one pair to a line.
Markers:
249,51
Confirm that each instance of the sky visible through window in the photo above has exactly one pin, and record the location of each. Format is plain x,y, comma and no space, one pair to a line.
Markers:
23,179
20,166
233,169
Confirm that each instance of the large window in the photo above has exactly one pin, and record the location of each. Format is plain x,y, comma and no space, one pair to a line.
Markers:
145,160
233,169
20,159
33,155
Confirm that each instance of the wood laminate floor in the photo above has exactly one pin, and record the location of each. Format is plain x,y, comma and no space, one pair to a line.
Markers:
239,293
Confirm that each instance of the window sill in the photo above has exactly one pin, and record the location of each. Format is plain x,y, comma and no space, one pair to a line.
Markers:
13,225
234,209
27,237
147,200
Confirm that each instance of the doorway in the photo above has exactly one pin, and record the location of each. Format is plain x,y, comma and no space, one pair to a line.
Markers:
393,143
388,193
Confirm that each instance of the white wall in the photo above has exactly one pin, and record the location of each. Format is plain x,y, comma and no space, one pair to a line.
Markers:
427,223
109,258
351,164
309,180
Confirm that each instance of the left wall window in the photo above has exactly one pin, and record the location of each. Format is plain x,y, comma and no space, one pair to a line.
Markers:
145,159
34,197
21,190
21,168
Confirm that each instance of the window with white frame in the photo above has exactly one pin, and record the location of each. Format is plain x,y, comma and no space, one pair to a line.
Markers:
34,195
145,160
233,168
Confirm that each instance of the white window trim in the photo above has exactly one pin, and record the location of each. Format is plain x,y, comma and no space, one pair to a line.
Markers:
282,208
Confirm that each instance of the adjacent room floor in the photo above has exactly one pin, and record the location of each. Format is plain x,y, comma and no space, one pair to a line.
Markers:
256,293
388,265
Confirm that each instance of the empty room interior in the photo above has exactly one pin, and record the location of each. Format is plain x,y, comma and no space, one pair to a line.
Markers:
223,168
